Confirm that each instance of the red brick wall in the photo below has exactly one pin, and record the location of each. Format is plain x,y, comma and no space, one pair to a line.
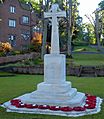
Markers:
5,29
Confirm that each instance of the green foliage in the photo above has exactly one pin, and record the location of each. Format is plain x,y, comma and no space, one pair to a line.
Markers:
34,3
38,61
101,4
29,62
90,33
15,52
80,43
2,54
26,62
101,22
35,47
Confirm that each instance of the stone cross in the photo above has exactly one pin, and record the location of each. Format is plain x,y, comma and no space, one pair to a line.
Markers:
55,13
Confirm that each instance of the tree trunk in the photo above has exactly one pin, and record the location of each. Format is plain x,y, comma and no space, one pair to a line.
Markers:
69,29
45,22
97,30
43,50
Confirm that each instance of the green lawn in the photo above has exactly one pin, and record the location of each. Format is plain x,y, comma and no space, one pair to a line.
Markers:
15,86
89,59
85,48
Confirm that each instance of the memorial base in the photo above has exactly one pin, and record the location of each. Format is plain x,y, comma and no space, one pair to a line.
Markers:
55,90
19,107
55,96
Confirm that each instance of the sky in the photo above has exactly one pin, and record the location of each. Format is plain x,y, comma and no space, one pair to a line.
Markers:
87,7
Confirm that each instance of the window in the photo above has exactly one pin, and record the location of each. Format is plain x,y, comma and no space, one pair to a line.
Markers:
25,35
12,40
25,19
12,9
12,23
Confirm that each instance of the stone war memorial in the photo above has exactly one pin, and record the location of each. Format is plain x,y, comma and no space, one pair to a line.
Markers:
55,96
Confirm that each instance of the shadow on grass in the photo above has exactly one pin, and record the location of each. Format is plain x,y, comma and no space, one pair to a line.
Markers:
6,74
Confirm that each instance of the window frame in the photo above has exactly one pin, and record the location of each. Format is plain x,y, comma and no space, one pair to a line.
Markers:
12,23
12,41
25,35
12,9
25,19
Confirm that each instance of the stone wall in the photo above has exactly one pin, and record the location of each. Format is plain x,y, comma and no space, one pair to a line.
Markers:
86,71
72,71
37,69
11,59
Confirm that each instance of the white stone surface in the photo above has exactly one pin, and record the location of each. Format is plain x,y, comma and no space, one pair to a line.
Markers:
54,68
71,98
55,90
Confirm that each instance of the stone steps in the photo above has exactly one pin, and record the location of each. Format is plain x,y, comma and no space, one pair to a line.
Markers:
87,71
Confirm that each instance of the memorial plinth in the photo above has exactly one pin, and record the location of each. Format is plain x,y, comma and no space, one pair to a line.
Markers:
55,90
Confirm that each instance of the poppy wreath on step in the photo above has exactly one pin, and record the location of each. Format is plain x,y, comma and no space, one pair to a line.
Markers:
79,108
66,109
90,103
54,108
43,107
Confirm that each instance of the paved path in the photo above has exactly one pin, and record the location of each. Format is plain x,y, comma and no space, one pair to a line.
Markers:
87,52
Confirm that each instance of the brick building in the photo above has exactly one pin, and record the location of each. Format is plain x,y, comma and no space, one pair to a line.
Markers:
16,22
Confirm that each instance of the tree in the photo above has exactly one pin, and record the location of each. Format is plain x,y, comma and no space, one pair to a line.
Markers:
90,35
101,20
96,27
72,16
97,30
101,5
44,26
71,7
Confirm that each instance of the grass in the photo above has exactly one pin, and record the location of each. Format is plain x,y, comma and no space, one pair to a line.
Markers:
11,87
6,74
85,48
88,59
